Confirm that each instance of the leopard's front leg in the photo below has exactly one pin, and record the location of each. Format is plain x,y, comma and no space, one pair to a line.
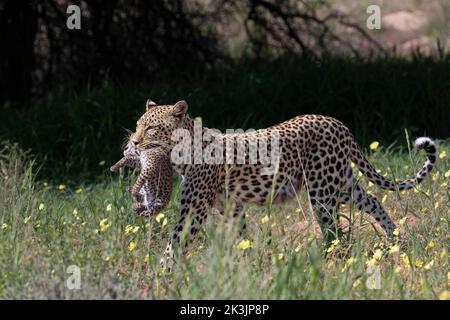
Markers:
193,214
136,188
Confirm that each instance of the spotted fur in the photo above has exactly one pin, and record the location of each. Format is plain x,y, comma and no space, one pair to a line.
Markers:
153,186
316,152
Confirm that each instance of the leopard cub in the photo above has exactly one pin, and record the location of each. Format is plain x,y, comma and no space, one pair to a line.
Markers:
153,186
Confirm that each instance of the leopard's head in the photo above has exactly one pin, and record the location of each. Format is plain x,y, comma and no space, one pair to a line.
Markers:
159,122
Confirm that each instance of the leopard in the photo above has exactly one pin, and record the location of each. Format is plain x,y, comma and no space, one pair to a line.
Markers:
153,187
316,153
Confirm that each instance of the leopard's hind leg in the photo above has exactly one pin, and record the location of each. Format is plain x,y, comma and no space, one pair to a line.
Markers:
355,194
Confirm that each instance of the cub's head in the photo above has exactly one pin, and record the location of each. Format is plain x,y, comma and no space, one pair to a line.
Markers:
130,150
158,123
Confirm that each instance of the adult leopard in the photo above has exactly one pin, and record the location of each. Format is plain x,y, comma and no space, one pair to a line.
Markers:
315,152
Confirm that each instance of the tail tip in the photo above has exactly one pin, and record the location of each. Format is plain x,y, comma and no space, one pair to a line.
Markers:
423,142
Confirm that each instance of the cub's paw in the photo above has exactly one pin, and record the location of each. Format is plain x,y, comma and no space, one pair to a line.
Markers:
139,208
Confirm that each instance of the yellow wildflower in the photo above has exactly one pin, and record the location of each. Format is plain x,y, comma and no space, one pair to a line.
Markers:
131,246
26,219
159,217
394,249
75,212
280,256
265,219
396,232
61,187
45,184
244,244
357,283
443,254
41,207
4,226
330,248
102,163
298,210
444,295
402,221
128,229
383,200
378,255
430,245
78,190
418,263
131,229
350,261
443,154
447,174
374,145
104,224
398,269
334,243
429,265
164,222
372,262
405,260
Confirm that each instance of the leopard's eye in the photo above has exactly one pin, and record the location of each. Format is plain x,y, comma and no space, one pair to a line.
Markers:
151,126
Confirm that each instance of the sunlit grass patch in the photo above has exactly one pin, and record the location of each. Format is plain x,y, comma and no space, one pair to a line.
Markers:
45,228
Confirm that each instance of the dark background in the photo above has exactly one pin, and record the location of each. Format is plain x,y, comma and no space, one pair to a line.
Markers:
68,95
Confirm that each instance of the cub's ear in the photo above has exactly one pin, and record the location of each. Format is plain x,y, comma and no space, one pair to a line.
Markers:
180,108
150,104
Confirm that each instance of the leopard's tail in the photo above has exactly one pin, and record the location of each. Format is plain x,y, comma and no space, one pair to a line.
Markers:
369,171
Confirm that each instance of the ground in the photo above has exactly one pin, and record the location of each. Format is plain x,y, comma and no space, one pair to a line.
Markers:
45,228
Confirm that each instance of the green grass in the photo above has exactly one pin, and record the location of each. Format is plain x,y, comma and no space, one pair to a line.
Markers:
38,242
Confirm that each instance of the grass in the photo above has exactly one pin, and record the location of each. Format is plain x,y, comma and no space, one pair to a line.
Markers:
59,206
46,227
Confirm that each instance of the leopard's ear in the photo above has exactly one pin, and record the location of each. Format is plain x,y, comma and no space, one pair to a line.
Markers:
150,104
180,108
